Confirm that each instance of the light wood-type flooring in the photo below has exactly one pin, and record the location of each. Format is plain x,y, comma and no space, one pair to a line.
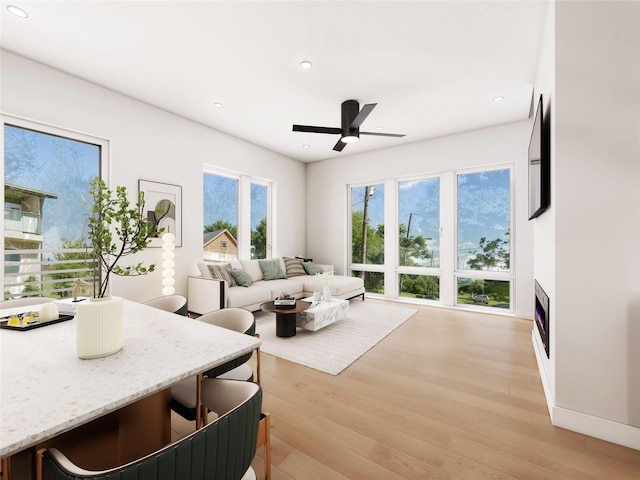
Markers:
448,395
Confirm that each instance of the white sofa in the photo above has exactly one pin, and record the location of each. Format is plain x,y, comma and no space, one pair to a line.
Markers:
208,293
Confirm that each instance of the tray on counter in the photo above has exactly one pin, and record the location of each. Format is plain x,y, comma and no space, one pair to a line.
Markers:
31,326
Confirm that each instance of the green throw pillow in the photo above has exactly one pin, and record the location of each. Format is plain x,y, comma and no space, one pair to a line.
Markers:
271,269
241,277
311,268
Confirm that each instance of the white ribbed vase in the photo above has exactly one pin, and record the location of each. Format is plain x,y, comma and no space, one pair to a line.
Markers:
99,327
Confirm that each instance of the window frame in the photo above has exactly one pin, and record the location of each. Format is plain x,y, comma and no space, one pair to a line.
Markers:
447,271
509,276
244,208
104,160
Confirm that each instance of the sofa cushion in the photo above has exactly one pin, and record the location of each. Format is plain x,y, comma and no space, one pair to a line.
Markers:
293,267
271,269
204,270
242,278
291,286
222,272
241,296
252,267
311,268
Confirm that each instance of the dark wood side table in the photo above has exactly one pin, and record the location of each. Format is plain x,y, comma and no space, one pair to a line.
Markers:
285,317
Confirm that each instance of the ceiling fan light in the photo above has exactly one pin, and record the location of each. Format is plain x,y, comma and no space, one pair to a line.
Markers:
349,139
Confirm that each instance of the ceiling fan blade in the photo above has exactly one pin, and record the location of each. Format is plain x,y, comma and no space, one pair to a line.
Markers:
383,134
364,113
339,146
312,129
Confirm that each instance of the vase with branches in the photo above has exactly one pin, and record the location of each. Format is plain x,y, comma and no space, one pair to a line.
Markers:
115,229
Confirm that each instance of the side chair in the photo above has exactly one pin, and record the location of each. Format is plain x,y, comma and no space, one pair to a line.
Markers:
222,450
170,303
186,393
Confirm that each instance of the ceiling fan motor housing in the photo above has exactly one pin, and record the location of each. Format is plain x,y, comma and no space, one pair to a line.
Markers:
350,110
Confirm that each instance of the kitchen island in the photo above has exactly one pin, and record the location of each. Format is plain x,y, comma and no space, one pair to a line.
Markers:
46,390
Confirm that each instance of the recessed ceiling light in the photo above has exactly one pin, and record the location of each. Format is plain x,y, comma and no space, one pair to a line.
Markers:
306,145
379,127
18,12
218,104
498,99
305,64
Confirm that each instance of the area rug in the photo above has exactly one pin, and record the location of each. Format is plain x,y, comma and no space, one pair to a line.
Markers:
336,346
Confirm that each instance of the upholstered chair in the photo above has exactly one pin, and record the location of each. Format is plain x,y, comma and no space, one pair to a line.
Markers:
170,303
223,449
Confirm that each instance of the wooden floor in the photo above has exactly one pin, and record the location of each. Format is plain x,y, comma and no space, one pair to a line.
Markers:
448,395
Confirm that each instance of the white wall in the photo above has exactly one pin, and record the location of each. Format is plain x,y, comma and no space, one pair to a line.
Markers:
152,144
503,145
587,247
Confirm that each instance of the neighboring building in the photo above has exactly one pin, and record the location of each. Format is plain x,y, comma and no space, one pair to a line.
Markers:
220,245
22,232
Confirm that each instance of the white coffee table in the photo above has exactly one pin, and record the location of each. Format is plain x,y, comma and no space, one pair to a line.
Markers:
321,313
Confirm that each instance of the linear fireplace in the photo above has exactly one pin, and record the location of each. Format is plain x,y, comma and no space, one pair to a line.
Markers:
542,315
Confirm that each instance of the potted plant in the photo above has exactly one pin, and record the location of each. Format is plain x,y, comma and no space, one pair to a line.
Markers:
115,229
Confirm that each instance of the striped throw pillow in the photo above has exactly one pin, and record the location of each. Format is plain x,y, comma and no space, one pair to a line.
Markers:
294,267
222,272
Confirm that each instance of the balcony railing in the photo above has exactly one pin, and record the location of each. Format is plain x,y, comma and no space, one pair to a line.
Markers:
25,222
46,273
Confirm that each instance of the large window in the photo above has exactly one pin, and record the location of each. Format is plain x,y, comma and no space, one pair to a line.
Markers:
367,235
47,172
446,238
236,216
419,238
483,233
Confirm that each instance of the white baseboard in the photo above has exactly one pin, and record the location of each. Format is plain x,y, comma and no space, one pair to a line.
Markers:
615,432
597,427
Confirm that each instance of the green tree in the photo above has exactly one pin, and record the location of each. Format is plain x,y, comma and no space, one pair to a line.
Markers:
32,287
69,266
493,255
259,239
374,254
222,225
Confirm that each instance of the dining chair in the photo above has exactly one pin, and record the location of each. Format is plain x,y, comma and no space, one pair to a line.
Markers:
170,303
185,394
221,450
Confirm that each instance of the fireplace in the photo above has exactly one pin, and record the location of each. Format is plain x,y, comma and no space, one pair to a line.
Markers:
541,316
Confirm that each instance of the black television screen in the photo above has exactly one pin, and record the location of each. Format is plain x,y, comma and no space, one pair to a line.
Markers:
539,187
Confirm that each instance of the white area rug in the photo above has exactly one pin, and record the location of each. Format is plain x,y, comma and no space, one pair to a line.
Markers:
336,346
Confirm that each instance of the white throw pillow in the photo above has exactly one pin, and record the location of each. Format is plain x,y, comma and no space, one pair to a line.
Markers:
252,267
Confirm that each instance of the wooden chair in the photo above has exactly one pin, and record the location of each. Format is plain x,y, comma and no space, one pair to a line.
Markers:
223,449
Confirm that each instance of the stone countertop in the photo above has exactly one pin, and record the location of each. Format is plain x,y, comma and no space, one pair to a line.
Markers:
45,389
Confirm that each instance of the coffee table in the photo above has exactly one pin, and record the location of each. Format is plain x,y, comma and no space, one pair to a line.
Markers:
285,317
322,313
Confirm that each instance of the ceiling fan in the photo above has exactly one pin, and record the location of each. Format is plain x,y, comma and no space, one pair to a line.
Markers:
352,118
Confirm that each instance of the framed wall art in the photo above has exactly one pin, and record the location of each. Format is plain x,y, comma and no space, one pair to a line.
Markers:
163,208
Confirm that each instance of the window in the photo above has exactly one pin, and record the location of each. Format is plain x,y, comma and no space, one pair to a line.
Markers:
236,216
418,238
483,238
367,235
220,195
446,238
44,217
259,209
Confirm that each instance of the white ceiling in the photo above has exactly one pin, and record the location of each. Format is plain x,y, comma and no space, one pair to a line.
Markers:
433,67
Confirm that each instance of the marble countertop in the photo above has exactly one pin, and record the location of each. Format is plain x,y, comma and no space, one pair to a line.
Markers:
45,389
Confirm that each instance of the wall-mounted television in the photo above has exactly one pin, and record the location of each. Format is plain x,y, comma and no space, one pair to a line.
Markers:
539,166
